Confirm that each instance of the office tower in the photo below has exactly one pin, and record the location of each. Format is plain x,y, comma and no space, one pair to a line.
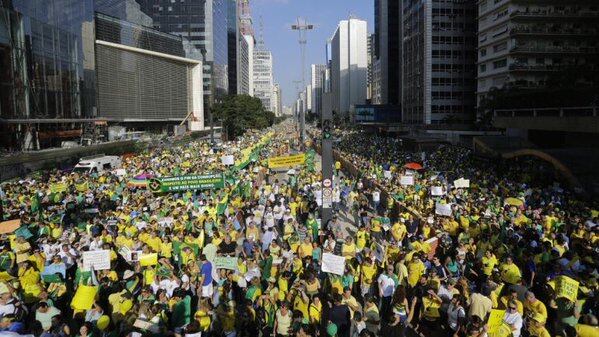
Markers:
349,66
387,51
263,77
438,63
317,72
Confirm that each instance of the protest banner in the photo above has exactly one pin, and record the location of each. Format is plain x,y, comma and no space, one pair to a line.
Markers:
334,264
566,287
53,269
84,298
407,180
58,188
437,190
184,183
379,252
82,187
443,209
225,262
461,183
228,160
210,252
9,226
495,320
146,260
288,161
96,259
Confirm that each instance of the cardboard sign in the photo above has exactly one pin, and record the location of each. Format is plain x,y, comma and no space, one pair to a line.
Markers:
148,260
97,259
332,263
53,269
443,209
379,252
495,320
185,183
566,287
84,297
288,161
437,190
461,183
228,160
406,180
225,262
9,226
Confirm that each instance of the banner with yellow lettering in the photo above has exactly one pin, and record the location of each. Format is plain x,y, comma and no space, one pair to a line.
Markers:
288,161
58,188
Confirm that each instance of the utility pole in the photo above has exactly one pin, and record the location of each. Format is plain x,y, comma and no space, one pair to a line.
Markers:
302,26
327,167
299,112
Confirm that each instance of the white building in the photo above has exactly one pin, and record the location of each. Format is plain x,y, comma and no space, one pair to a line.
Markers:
317,82
263,79
349,66
278,108
249,39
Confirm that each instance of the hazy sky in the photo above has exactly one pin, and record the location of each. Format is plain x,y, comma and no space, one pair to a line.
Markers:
277,17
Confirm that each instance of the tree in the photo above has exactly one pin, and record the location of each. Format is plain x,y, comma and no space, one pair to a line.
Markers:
240,113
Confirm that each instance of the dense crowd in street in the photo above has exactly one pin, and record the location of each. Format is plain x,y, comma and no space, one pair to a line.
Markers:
512,254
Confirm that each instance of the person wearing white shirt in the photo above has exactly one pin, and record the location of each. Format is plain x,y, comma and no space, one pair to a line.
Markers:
387,286
513,318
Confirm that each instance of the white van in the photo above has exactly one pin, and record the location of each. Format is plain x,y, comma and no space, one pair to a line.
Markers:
98,163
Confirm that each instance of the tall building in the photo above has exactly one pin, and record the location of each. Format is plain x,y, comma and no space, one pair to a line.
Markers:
245,18
233,45
537,45
243,67
127,10
47,77
349,65
249,39
263,78
438,63
278,107
205,24
387,49
317,72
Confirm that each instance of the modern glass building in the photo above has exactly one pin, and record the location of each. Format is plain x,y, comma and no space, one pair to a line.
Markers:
205,24
47,77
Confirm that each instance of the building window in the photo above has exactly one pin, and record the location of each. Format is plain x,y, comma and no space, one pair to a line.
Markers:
483,52
500,64
482,6
500,47
483,68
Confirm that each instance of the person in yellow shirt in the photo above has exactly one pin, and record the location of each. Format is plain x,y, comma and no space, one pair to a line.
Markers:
367,271
537,327
512,297
361,238
348,249
510,273
533,306
398,231
489,262
415,270
305,248
315,310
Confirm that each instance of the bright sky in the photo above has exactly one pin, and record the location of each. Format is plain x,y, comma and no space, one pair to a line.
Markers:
277,17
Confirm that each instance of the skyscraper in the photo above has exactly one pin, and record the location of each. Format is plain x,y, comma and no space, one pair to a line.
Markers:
438,62
278,108
205,24
263,78
233,45
349,65
317,72
387,49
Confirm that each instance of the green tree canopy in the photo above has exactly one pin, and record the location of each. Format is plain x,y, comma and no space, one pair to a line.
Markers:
240,113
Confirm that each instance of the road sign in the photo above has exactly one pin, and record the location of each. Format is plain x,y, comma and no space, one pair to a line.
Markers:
327,183
327,197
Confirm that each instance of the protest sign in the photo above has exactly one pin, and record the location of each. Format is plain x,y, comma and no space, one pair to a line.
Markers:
228,160
82,187
96,259
120,172
379,252
148,260
495,320
334,264
54,269
437,190
443,209
225,262
145,325
184,183
84,297
566,287
23,232
387,174
433,243
288,161
461,183
210,252
58,188
406,180
9,226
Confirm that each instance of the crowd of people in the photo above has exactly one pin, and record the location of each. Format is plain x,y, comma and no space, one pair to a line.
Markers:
247,259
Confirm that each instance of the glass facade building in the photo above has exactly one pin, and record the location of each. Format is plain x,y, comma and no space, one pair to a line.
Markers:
46,67
205,24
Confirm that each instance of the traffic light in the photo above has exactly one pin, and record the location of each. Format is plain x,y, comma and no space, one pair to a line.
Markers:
327,130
